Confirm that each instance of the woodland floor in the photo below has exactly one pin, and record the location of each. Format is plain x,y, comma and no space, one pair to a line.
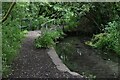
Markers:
35,63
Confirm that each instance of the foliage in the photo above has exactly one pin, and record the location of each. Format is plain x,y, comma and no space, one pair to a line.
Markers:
48,37
109,39
11,38
102,13
107,20
63,16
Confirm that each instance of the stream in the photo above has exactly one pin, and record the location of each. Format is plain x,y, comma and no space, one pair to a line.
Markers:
85,60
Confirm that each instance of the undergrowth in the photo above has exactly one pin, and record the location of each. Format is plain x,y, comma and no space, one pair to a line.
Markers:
109,40
11,40
48,37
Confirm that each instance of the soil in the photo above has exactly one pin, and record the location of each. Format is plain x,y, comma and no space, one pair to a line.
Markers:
35,63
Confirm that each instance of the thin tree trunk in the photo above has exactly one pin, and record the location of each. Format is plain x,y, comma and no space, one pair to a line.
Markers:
8,12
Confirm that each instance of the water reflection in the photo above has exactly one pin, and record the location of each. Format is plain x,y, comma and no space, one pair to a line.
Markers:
84,59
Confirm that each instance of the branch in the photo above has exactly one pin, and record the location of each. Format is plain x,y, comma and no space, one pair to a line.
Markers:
8,12
92,19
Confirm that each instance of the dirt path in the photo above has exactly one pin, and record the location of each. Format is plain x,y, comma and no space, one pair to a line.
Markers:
35,63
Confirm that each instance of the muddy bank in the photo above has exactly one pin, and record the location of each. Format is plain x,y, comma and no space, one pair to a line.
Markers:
87,61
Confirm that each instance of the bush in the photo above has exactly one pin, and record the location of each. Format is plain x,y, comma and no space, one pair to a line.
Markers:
11,39
48,38
109,39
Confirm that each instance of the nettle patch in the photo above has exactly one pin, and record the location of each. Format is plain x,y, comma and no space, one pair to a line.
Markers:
48,38
108,40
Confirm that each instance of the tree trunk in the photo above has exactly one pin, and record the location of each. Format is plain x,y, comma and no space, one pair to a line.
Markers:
8,12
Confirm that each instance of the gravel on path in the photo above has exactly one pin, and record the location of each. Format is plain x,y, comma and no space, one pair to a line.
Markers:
35,63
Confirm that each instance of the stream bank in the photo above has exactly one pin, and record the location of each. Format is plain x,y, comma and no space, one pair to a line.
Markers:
85,60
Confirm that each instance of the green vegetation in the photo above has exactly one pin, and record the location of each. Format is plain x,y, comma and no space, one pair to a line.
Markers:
11,39
56,20
106,22
64,18
48,37
109,40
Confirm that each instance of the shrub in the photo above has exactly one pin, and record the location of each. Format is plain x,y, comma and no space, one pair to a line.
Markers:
109,39
48,38
11,39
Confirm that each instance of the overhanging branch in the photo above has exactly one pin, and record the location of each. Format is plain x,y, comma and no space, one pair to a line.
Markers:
8,12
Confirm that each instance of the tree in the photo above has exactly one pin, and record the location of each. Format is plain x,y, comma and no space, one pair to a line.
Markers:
8,12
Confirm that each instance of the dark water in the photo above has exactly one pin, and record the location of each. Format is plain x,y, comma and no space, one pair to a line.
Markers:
87,61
